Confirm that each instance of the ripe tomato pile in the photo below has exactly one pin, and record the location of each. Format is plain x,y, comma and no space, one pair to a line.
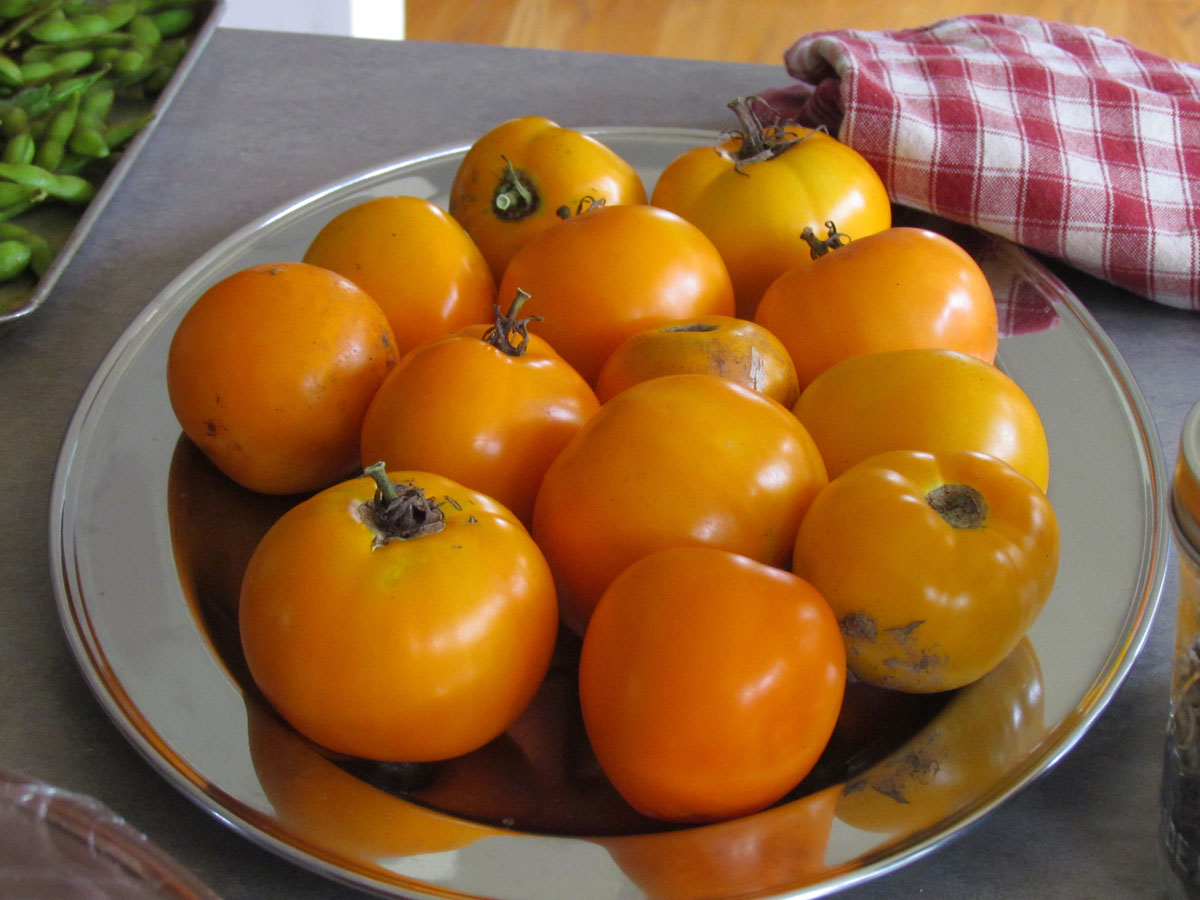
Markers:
745,440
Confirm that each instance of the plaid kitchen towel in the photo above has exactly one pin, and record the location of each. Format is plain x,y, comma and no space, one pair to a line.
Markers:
1061,138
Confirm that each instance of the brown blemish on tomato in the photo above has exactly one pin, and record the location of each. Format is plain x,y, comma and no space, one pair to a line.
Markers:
858,626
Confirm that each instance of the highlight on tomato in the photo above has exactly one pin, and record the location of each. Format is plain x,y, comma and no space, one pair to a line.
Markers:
489,407
709,683
733,348
936,564
414,260
922,399
762,187
676,460
602,276
896,289
528,174
398,617
958,759
271,370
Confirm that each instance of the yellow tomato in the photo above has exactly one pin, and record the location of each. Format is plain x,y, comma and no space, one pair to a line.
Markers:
682,460
611,272
528,174
756,192
936,564
714,345
892,290
414,260
922,399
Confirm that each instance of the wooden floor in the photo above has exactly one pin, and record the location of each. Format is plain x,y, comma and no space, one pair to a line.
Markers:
760,30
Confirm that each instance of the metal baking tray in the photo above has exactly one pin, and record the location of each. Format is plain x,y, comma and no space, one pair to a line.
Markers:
66,228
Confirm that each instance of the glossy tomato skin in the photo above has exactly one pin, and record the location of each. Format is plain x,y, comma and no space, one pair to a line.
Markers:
414,260
755,212
893,290
716,345
562,172
412,650
271,371
922,399
493,422
709,683
929,600
600,277
732,470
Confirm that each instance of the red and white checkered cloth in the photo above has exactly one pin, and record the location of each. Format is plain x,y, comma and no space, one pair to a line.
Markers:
1060,138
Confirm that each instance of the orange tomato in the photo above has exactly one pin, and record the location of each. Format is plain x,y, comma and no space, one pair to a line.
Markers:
960,758
677,460
716,345
401,618
761,188
936,564
271,370
892,290
922,399
600,277
526,175
414,260
709,683
487,407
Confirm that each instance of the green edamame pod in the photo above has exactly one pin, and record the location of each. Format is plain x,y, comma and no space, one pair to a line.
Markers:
20,148
14,120
87,139
42,103
15,209
15,9
68,188
41,253
63,63
143,31
149,6
174,22
14,259
10,72
12,194
53,144
99,21
119,133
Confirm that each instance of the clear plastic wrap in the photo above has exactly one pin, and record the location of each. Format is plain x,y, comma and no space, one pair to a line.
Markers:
60,845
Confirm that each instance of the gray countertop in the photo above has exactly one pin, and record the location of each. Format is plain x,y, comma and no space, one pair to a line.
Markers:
265,117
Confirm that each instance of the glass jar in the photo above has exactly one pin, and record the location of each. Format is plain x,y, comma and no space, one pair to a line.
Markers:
1179,832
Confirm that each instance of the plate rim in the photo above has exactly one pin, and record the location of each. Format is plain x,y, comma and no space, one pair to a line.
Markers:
1125,648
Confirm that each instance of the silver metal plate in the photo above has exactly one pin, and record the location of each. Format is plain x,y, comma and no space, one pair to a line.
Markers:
127,588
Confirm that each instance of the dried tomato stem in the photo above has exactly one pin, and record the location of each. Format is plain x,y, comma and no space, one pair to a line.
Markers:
759,143
508,325
399,512
832,241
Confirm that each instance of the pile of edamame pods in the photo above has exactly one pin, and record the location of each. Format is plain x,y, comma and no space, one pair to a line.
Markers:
66,68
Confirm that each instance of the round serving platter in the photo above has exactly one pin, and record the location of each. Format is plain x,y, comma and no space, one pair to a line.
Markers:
147,543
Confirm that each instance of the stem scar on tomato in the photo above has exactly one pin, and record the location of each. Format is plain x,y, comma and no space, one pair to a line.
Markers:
961,505
399,512
516,196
